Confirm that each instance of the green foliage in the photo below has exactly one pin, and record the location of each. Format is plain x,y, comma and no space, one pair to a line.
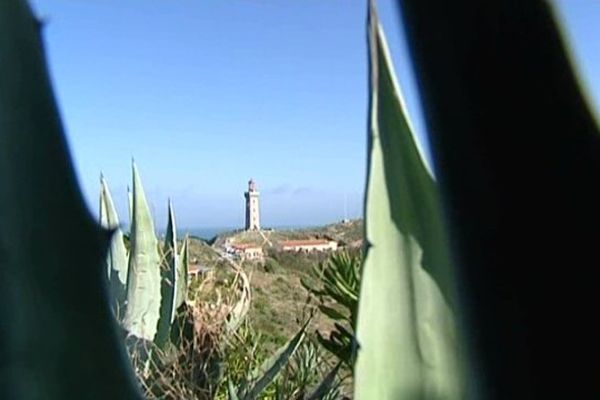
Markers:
271,265
302,373
408,342
157,280
117,264
244,352
240,309
328,388
406,262
182,273
335,282
300,262
169,282
303,378
261,377
144,277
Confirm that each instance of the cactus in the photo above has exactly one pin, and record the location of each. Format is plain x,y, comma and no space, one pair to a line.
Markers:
407,338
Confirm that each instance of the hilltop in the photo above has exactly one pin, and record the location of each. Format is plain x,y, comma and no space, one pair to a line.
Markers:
348,233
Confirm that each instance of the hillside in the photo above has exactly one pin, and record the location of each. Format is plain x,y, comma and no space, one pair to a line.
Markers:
278,298
202,253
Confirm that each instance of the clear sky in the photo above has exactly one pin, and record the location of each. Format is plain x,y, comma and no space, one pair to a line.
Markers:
205,94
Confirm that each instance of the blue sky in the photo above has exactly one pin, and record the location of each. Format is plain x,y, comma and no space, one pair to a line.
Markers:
206,94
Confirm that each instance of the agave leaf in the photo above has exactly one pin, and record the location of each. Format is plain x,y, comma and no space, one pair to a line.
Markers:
58,338
326,384
231,392
168,282
144,278
181,286
117,253
103,217
269,370
130,206
406,332
341,287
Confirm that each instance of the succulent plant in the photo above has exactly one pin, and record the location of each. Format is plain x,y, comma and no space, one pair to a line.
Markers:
58,338
261,377
156,283
408,344
116,259
335,283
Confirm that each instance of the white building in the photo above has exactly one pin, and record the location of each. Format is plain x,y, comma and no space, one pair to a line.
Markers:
247,251
309,245
252,207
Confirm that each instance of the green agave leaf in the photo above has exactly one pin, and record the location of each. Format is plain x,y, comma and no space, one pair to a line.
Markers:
181,286
103,217
340,286
144,277
269,370
408,345
58,338
130,206
117,253
326,384
168,282
341,298
231,392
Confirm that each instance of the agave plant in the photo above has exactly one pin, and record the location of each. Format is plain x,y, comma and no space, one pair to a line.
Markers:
304,371
149,283
406,329
58,339
262,376
336,284
116,261
57,283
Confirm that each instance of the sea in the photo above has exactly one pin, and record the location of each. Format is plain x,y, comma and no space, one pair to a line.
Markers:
206,233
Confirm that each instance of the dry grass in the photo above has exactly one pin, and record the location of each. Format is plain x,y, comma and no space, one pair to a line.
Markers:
191,366
280,304
207,353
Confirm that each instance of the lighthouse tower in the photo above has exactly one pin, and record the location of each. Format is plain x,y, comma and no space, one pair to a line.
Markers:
252,209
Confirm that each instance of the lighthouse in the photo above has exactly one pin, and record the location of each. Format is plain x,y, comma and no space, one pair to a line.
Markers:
252,207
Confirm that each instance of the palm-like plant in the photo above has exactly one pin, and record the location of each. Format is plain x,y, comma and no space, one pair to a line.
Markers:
336,285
